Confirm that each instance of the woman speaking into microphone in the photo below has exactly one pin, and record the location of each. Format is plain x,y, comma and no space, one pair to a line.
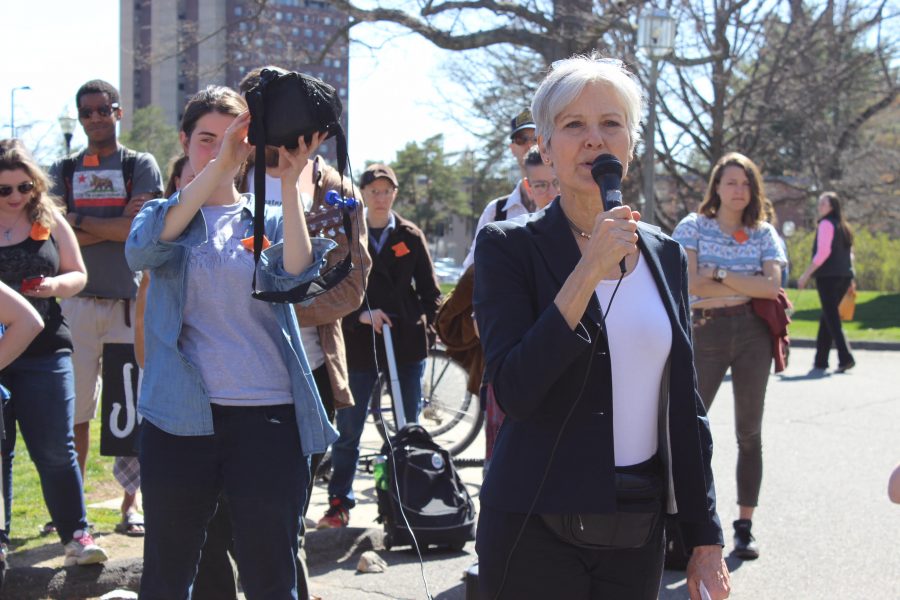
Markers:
592,364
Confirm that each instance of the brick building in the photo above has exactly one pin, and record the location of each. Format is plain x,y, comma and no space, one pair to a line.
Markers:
172,48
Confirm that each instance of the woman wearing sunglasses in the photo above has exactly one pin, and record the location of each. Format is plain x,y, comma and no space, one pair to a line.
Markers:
228,400
39,257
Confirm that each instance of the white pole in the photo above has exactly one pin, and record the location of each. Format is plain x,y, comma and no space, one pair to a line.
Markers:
399,412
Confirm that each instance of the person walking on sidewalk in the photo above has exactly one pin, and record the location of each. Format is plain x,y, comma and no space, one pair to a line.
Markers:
402,292
734,256
832,266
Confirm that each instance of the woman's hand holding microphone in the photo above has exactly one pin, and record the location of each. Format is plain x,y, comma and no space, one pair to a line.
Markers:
613,238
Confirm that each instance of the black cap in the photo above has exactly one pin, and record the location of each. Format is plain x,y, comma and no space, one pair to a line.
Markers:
521,121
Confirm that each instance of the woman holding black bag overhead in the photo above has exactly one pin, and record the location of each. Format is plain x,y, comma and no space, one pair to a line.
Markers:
593,366
228,401
832,266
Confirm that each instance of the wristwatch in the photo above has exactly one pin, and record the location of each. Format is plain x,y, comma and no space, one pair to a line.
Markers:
720,274
78,220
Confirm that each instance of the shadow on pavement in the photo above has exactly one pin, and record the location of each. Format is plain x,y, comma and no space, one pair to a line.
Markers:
812,375
331,549
455,593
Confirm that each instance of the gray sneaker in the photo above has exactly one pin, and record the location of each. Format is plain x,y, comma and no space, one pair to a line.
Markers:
83,551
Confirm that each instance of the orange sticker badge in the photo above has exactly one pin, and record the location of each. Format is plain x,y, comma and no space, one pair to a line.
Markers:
247,243
39,233
741,236
400,249
91,160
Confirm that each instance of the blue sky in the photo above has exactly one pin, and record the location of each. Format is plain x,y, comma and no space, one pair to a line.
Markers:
54,46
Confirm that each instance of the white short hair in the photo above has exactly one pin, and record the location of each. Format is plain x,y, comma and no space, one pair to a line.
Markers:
566,80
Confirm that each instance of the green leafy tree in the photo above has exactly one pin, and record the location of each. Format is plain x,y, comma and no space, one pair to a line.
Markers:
431,188
151,133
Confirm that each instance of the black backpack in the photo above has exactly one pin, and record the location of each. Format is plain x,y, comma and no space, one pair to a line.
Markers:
434,498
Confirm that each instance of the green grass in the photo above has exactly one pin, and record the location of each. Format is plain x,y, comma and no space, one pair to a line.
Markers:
877,316
29,513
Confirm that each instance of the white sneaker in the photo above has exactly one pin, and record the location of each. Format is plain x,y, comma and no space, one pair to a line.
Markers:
83,551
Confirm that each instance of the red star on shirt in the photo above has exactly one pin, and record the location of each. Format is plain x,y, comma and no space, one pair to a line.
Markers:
82,179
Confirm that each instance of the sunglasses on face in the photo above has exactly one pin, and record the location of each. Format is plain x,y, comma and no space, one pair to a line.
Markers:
24,188
524,140
103,111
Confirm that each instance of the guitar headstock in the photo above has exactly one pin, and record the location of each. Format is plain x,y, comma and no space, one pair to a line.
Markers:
325,222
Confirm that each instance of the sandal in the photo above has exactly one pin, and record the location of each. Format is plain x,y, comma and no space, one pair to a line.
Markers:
132,524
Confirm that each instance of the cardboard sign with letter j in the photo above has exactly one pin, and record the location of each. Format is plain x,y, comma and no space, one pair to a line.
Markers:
118,405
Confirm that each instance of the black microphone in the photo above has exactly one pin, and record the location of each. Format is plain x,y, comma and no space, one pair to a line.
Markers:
607,172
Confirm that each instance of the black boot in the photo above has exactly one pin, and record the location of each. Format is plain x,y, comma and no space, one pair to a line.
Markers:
745,545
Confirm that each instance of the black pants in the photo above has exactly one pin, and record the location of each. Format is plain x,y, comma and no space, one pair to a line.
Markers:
543,566
215,578
831,291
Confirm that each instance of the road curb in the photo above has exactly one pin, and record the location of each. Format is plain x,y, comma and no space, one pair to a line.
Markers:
324,548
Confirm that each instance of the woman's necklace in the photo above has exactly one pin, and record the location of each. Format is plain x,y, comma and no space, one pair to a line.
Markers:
578,229
7,234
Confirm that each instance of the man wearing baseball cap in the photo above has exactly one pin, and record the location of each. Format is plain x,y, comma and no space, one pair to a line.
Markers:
519,202
403,293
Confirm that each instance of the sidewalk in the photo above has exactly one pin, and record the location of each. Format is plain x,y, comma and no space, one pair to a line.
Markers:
825,525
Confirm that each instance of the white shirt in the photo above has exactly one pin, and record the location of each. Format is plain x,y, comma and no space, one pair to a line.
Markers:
514,208
309,336
640,339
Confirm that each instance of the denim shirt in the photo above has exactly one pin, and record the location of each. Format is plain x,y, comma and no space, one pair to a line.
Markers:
173,396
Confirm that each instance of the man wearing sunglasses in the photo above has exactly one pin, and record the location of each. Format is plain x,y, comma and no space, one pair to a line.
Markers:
520,201
104,187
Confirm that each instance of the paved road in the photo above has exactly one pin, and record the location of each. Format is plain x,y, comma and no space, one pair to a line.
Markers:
825,525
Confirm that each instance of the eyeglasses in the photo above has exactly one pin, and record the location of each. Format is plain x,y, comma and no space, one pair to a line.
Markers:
377,193
523,139
103,111
544,186
24,188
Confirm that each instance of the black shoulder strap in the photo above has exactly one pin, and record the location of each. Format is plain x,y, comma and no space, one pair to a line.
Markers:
68,173
500,213
129,158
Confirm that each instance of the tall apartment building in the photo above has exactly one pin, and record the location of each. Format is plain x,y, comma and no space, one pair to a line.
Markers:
172,48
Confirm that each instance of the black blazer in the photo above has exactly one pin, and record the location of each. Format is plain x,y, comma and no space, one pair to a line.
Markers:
537,364
403,284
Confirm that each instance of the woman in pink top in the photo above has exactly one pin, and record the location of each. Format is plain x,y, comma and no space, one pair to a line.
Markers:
832,266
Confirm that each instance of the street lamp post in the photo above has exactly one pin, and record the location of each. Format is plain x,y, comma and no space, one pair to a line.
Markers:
12,107
656,37
67,125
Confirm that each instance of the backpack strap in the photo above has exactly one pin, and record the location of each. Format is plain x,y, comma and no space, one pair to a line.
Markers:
129,159
500,213
68,172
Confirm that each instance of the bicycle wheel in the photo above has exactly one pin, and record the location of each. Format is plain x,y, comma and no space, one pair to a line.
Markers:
451,414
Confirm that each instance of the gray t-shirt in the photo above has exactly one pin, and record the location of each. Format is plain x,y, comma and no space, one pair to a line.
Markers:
99,191
227,334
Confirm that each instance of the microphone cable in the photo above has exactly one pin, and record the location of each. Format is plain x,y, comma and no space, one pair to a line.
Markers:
387,436
600,329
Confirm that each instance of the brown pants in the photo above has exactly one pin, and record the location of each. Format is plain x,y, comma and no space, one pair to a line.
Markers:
743,344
